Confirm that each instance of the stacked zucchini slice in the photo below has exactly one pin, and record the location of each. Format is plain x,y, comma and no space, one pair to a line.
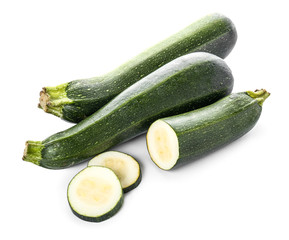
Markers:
96,193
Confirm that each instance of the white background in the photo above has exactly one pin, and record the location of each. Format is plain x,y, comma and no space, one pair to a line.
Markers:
239,192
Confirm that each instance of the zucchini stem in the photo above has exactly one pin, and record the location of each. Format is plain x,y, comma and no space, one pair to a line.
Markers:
32,152
52,99
259,95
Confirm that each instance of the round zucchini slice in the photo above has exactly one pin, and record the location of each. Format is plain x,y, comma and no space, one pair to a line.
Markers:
125,167
95,194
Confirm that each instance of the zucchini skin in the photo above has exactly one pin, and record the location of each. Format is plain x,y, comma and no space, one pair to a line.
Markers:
214,34
135,184
104,217
207,129
188,82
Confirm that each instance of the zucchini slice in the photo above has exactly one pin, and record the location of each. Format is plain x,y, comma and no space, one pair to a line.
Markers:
125,167
95,194
178,139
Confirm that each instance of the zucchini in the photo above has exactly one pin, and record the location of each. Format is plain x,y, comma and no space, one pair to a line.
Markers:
175,140
95,194
125,167
186,83
75,100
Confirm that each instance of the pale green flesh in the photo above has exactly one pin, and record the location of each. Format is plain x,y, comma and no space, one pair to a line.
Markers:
94,194
124,166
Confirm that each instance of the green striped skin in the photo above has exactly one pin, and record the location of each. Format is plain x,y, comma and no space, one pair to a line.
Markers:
100,218
207,129
189,82
214,33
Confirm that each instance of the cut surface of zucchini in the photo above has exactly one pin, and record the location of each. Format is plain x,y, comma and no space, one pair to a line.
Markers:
162,143
124,166
95,194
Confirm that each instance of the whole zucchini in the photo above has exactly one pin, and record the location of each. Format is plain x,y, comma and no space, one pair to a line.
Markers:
75,100
178,139
186,83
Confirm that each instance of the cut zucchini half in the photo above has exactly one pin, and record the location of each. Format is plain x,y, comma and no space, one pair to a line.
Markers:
163,145
179,139
125,167
95,194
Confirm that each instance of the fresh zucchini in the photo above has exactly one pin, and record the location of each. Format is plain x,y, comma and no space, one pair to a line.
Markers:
75,100
95,194
186,83
125,167
178,139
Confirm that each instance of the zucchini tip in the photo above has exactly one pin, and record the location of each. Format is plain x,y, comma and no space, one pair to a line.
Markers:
44,100
32,152
260,95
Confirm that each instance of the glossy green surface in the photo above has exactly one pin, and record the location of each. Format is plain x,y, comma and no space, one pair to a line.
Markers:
189,82
214,33
206,129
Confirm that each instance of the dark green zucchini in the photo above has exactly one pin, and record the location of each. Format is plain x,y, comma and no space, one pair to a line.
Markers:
186,83
178,139
75,100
